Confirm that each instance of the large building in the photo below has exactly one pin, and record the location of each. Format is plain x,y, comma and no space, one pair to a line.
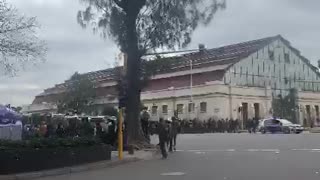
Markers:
237,81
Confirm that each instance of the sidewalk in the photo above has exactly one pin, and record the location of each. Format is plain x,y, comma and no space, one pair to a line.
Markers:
138,156
314,130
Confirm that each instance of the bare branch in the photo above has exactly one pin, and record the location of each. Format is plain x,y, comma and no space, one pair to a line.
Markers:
19,44
119,3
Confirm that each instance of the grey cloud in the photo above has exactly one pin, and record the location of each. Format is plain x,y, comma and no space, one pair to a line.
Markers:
246,20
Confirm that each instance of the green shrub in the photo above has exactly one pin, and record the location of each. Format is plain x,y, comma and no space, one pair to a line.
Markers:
49,143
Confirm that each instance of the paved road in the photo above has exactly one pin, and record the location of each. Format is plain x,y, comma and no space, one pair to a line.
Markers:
225,157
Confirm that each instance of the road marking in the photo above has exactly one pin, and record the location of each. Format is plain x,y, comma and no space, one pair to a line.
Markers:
173,174
277,151
179,150
212,150
263,150
230,150
199,152
311,150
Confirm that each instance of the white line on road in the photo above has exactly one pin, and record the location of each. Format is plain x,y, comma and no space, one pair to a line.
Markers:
199,152
311,150
263,150
173,174
212,150
277,151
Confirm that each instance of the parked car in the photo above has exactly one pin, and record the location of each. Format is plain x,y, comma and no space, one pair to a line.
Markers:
276,125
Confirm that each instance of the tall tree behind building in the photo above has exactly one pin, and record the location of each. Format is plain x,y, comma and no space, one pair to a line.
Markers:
139,26
286,107
79,95
20,44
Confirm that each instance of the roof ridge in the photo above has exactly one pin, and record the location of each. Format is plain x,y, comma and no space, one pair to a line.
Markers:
248,42
234,51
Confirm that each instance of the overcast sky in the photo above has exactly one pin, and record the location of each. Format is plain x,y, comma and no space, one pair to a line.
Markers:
72,48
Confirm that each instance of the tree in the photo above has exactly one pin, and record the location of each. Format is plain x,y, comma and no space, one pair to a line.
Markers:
17,109
138,26
80,93
19,42
286,107
110,111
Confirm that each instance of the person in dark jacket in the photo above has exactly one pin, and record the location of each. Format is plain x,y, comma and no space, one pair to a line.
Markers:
219,125
60,132
250,125
213,125
174,133
163,137
145,116
254,125
227,125
236,125
86,129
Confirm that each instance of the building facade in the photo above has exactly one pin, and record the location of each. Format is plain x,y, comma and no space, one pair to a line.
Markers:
237,81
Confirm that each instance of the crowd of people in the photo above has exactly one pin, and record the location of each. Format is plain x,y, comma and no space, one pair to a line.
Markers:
73,127
220,125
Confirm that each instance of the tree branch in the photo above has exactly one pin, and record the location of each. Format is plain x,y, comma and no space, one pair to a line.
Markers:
119,3
17,28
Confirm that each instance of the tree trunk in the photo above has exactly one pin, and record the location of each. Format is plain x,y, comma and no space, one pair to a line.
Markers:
133,74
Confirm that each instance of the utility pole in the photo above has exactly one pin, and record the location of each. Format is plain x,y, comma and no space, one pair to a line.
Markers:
122,99
191,81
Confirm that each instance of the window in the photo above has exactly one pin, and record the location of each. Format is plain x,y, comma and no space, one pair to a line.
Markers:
286,57
317,110
191,107
271,55
247,75
252,79
203,107
164,109
154,110
180,108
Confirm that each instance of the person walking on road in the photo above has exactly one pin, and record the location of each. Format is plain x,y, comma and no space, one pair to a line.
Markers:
250,125
255,124
174,133
163,137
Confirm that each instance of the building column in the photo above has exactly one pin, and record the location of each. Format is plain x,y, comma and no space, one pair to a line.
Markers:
268,92
230,103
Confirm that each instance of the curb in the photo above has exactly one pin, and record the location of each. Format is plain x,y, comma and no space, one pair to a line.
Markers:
69,170
314,130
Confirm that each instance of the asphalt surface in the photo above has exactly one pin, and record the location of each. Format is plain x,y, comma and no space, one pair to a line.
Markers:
224,157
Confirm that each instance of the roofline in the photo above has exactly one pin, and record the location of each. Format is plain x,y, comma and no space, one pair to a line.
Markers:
171,74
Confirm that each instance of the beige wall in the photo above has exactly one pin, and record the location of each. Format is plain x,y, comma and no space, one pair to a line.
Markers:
308,98
217,96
